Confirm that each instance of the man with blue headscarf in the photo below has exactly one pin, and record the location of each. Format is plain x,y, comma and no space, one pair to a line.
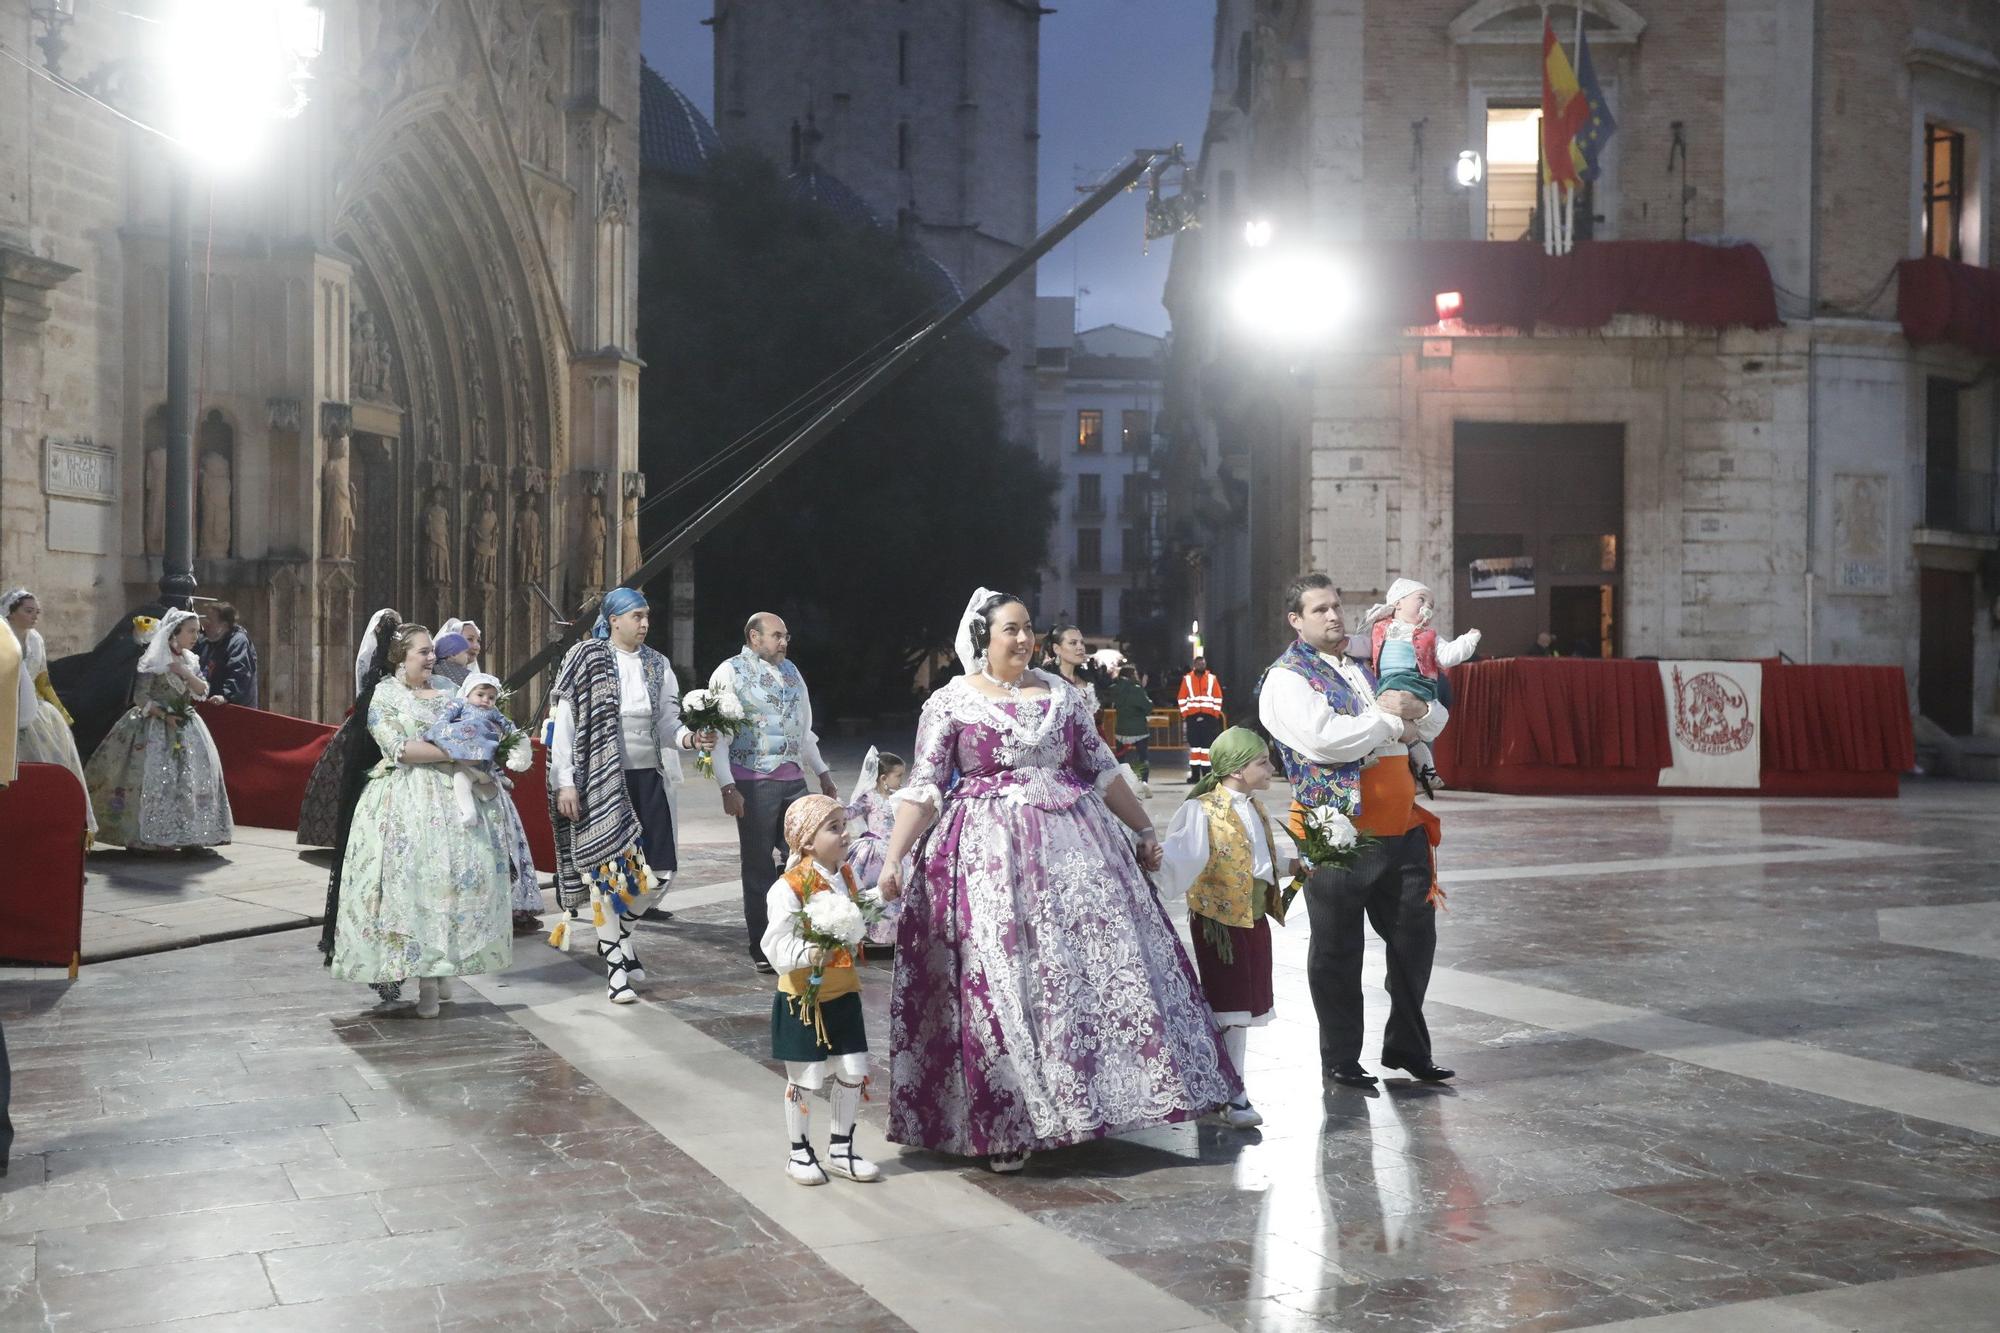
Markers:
614,769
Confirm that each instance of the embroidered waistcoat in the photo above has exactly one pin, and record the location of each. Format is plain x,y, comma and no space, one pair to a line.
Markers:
1315,785
1226,891
774,704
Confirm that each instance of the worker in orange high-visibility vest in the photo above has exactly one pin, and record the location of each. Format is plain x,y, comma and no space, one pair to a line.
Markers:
1201,715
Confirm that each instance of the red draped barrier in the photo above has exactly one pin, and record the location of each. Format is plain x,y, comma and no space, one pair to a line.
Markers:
268,757
1579,726
1945,301
41,896
1513,284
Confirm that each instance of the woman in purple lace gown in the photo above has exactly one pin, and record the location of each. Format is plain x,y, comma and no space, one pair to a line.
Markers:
1041,996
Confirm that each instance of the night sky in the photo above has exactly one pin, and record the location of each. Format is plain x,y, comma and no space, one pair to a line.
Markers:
1116,75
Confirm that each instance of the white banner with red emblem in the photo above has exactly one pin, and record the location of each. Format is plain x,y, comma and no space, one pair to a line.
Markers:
1715,715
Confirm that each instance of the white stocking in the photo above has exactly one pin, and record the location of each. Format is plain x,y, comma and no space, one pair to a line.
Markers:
1236,1041
846,1100
798,1114
461,788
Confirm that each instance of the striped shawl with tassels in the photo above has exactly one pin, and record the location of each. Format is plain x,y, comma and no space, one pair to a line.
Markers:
602,845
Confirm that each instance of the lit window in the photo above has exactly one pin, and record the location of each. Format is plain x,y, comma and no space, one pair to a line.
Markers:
1513,170
1090,431
1944,191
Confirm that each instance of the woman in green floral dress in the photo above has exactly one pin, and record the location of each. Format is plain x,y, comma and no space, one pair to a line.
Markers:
156,780
421,895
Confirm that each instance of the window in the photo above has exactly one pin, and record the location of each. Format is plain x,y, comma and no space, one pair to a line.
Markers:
1089,495
1943,402
1944,191
1513,170
903,59
1135,430
902,145
1135,550
1090,431
1089,550
1090,610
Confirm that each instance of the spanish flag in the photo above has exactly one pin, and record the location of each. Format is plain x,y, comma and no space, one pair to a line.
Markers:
1565,110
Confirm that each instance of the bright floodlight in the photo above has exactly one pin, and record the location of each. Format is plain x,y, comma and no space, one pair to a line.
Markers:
232,69
1257,233
1292,297
1469,170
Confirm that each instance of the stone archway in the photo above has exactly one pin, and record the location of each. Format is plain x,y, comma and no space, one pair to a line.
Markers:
469,330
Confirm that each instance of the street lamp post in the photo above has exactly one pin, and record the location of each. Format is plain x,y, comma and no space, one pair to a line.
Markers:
177,581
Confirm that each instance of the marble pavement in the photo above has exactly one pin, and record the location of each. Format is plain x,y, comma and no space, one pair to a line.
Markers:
1724,1065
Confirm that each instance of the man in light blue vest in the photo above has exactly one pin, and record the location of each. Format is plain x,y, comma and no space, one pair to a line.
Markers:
768,760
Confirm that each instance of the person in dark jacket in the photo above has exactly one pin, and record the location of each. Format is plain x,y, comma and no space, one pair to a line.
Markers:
1134,727
228,658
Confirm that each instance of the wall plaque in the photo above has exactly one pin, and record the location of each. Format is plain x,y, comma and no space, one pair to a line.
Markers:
80,470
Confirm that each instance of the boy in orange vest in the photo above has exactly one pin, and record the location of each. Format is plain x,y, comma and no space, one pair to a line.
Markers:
830,1035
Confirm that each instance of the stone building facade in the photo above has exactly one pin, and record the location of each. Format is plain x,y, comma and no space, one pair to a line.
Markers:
927,112
1096,408
414,334
1823,489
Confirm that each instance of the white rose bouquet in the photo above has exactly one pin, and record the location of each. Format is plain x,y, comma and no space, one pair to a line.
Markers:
515,751
834,924
1326,837
719,711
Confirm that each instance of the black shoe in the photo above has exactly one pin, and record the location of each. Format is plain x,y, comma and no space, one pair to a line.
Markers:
763,966
656,914
1423,1071
1351,1074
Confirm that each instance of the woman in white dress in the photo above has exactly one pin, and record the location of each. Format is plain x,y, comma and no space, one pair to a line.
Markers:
44,734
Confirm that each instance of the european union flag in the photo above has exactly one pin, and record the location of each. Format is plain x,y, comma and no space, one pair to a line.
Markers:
1599,125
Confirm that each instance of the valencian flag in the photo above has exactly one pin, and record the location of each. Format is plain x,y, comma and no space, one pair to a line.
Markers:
1597,125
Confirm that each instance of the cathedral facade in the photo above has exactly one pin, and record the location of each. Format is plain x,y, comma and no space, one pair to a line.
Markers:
413,334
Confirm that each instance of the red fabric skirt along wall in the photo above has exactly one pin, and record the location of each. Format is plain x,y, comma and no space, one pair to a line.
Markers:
41,895
1578,726
267,758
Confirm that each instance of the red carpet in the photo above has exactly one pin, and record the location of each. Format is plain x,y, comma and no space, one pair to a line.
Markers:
267,758
41,896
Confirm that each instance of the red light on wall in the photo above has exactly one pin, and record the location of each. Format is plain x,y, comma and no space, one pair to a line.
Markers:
1450,305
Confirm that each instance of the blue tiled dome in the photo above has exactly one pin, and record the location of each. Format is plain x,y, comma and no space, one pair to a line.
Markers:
831,193
674,137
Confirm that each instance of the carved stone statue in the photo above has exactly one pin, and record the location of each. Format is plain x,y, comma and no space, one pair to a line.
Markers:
590,544
486,547
368,358
212,542
629,556
156,499
528,542
437,541
337,504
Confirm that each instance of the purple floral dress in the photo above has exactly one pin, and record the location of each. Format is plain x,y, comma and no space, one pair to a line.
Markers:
1041,995
874,815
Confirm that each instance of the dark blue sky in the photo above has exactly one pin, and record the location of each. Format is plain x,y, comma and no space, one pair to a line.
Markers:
1116,74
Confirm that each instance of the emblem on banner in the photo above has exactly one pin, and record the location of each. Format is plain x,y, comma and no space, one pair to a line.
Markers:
1712,713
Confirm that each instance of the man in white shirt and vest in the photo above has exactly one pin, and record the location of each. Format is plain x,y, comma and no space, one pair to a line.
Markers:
769,758
1345,746
1201,715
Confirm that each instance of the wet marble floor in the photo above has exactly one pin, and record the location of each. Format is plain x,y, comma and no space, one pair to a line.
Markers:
1722,1065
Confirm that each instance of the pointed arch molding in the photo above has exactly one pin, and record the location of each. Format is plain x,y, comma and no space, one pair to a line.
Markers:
474,324
1479,24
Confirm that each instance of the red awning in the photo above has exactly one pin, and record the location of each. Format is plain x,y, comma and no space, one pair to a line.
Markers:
1944,301
1513,284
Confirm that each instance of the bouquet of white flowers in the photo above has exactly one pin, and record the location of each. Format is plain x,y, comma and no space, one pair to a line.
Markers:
833,924
719,711
1326,837
515,751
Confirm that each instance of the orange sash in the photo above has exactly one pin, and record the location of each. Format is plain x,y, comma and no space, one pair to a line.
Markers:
1389,809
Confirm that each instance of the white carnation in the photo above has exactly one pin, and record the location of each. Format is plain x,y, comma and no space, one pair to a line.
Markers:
836,915
519,755
697,701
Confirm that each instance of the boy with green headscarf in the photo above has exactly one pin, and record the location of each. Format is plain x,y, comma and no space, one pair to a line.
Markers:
1226,854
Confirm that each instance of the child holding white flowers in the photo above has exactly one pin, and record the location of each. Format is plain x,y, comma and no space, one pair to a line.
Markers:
1227,855
815,923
